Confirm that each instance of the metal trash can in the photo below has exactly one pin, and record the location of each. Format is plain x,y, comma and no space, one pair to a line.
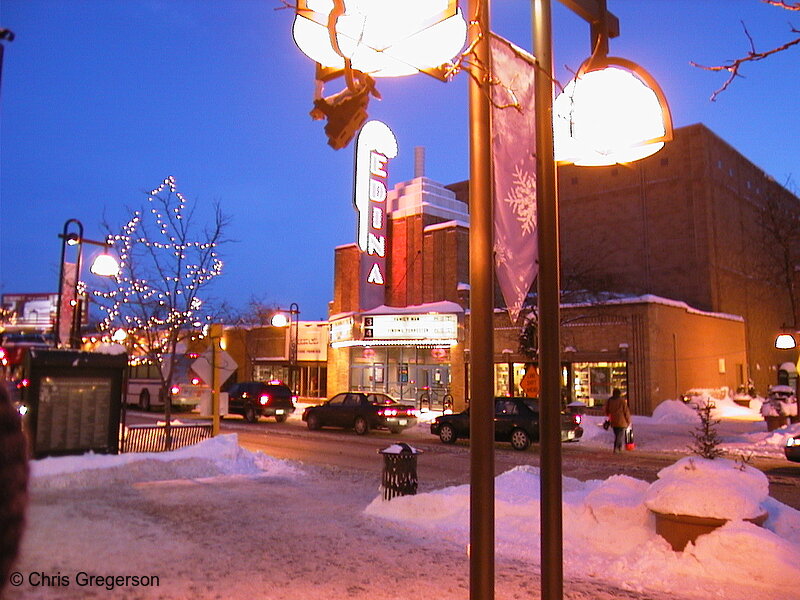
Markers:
399,470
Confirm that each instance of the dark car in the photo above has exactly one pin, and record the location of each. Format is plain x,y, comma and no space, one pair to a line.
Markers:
516,420
362,411
253,399
792,448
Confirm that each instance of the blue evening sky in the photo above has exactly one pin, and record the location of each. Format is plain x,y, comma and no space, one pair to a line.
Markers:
102,99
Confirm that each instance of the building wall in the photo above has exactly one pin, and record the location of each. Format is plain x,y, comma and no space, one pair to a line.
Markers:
681,224
346,280
669,346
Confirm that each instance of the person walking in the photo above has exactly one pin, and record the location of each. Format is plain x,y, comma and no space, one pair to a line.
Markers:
619,416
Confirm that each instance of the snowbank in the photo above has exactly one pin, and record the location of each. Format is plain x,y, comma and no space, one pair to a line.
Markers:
217,456
609,534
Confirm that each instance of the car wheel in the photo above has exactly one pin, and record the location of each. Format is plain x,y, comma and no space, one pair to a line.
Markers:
447,434
250,414
313,422
361,426
520,440
144,400
280,418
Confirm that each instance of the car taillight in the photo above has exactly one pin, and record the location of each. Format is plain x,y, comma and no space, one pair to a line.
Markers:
264,399
175,390
294,399
195,381
3,359
577,419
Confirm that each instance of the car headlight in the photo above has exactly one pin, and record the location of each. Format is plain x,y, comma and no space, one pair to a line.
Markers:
792,442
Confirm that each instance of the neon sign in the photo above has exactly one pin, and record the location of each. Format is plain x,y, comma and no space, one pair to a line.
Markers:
376,145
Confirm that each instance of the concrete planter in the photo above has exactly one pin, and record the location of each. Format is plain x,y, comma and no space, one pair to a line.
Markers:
774,423
679,530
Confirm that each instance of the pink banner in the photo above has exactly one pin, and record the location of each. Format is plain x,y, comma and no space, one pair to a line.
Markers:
514,170
67,303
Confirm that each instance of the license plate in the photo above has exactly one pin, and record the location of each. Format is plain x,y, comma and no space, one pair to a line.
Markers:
403,421
279,411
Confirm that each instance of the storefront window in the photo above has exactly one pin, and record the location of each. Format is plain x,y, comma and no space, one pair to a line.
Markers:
403,372
594,381
505,386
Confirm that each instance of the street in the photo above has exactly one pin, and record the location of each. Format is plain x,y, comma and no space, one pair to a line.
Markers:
443,465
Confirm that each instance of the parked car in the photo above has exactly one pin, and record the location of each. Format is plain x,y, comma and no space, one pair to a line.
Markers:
792,448
516,420
362,411
254,399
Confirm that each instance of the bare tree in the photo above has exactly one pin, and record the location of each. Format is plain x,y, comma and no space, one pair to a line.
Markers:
779,220
166,261
732,67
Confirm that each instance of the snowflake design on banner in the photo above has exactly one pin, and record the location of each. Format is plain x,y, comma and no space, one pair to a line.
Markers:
522,199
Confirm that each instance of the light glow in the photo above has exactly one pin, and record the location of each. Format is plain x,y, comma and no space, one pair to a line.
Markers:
785,341
105,265
384,38
279,320
610,115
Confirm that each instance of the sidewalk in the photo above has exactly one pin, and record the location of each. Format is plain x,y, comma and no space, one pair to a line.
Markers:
288,533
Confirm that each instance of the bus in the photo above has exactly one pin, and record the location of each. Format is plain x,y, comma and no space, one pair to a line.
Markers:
144,388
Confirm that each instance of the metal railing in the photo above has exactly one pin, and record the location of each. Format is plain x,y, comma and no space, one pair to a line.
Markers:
152,438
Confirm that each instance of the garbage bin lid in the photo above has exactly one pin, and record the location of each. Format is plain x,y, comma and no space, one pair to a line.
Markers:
401,448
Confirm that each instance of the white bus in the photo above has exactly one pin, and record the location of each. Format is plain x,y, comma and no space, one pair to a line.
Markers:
144,385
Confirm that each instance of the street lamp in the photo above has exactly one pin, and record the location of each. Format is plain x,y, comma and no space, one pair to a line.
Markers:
279,319
69,284
603,26
344,48
785,341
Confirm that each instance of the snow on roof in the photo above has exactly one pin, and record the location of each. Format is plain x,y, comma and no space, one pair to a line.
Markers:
447,225
444,306
652,299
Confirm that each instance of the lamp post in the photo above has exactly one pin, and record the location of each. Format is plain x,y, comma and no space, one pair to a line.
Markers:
481,253
104,265
279,320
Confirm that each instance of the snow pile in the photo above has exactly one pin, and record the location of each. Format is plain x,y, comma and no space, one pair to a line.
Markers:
719,489
609,534
675,412
217,456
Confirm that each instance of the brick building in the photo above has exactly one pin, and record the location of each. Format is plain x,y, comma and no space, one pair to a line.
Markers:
672,244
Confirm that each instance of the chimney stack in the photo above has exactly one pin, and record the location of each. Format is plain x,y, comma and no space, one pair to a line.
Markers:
419,161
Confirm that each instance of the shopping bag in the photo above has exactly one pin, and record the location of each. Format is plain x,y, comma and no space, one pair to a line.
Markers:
606,424
629,444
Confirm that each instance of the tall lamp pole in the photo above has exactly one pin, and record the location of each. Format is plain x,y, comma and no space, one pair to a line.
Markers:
104,265
481,302
294,313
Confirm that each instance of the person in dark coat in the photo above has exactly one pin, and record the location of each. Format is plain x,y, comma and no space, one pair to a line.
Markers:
13,483
619,416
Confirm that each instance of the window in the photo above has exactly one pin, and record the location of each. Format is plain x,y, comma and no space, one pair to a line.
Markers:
337,400
506,407
353,400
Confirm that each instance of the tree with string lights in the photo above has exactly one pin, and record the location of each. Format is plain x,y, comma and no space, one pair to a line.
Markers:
167,260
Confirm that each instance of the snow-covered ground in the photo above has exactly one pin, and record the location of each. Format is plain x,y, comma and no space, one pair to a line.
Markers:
218,521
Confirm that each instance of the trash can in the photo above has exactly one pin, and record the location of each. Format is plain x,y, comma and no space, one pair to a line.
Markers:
399,470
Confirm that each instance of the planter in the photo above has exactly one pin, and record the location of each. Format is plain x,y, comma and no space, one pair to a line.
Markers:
679,530
774,423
